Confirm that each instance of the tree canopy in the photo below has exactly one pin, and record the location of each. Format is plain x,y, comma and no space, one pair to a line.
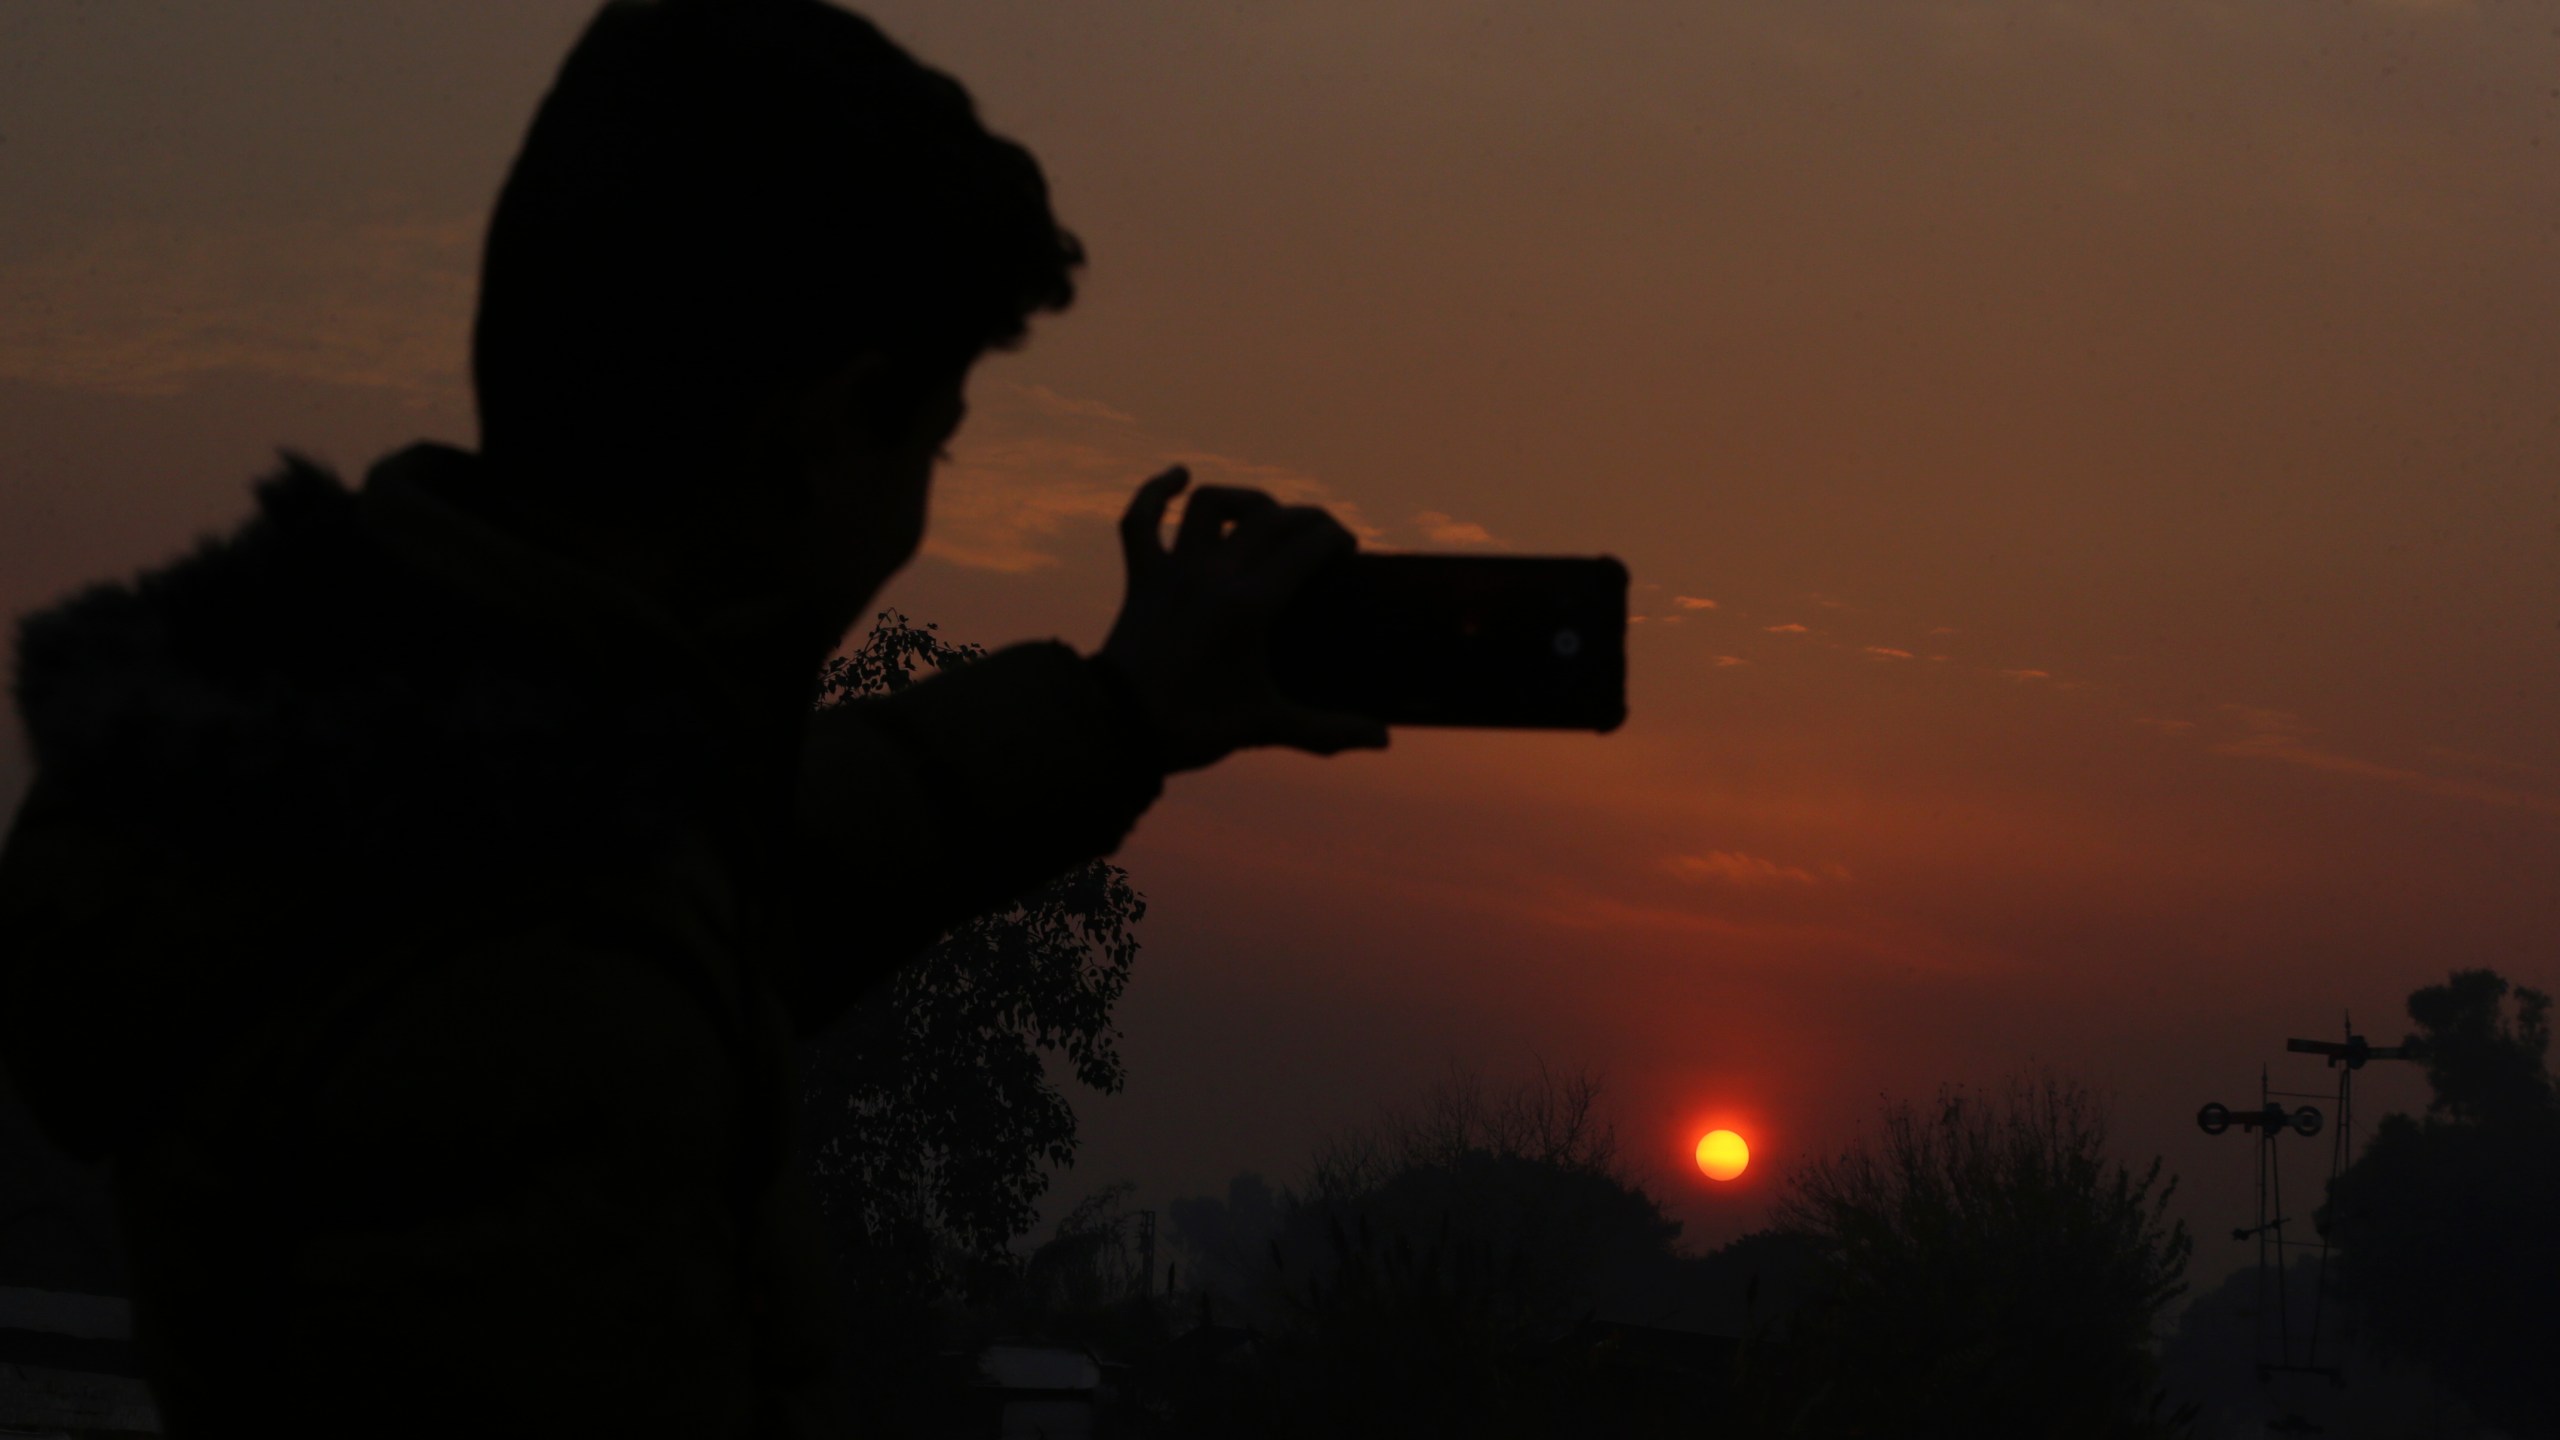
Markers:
2444,1225
931,1114
1986,1266
1455,1268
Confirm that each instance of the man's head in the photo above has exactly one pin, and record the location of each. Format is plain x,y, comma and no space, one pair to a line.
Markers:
729,212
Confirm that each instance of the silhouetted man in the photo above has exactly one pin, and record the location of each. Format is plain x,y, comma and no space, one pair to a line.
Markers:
410,907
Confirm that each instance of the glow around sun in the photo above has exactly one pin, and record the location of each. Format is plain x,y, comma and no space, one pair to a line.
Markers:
1723,1155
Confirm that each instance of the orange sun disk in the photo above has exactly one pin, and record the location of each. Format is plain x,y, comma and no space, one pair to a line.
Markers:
1723,1155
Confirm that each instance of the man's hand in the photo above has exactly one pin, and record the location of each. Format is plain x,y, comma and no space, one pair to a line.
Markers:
1189,639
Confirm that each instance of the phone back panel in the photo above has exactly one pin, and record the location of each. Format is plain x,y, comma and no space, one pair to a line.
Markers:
1524,642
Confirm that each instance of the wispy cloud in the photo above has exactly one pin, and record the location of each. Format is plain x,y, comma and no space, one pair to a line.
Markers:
2471,760
1001,504
1033,467
1732,867
1790,628
1442,529
2281,736
1831,946
1887,652
1693,602
147,310
1050,402
2028,674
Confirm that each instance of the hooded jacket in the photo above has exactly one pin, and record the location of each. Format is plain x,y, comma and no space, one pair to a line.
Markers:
420,928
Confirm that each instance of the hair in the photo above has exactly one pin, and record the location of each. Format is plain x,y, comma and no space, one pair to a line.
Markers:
720,199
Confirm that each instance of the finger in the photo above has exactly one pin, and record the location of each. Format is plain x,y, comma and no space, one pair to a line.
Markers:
1142,524
1287,551
1212,507
1278,527
1330,732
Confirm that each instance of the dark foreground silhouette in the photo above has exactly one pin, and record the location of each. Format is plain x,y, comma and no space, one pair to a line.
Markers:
424,891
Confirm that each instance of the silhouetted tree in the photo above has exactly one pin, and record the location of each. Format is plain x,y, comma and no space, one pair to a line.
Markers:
1091,1259
1223,1244
2486,1067
1441,1273
1986,1267
1521,1184
930,1112
2445,1226
1088,1284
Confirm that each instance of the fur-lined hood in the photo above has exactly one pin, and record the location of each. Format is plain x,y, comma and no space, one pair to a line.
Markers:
365,717
312,686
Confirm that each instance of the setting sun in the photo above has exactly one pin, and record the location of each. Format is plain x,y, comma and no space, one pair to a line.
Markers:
1723,1155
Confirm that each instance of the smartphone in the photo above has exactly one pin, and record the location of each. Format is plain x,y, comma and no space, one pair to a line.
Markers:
1529,642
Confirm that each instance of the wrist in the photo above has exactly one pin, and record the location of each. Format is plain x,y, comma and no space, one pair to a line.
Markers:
1143,737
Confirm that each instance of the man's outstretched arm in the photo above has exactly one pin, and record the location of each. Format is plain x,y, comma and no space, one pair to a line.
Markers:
921,809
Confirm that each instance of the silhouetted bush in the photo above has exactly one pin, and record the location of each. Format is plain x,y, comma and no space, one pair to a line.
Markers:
1984,1268
1481,1267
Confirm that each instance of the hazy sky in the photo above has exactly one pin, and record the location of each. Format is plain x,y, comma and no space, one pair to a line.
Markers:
2089,470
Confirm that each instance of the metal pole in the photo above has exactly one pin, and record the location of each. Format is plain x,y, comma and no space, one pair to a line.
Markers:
1147,1250
2272,1238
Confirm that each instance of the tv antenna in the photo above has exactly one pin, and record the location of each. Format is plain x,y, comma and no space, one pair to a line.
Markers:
2271,1120
2346,1057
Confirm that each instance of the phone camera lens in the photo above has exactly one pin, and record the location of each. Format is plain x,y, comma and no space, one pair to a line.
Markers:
1568,644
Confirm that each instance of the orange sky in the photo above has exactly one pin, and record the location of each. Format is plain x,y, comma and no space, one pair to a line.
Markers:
2118,444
